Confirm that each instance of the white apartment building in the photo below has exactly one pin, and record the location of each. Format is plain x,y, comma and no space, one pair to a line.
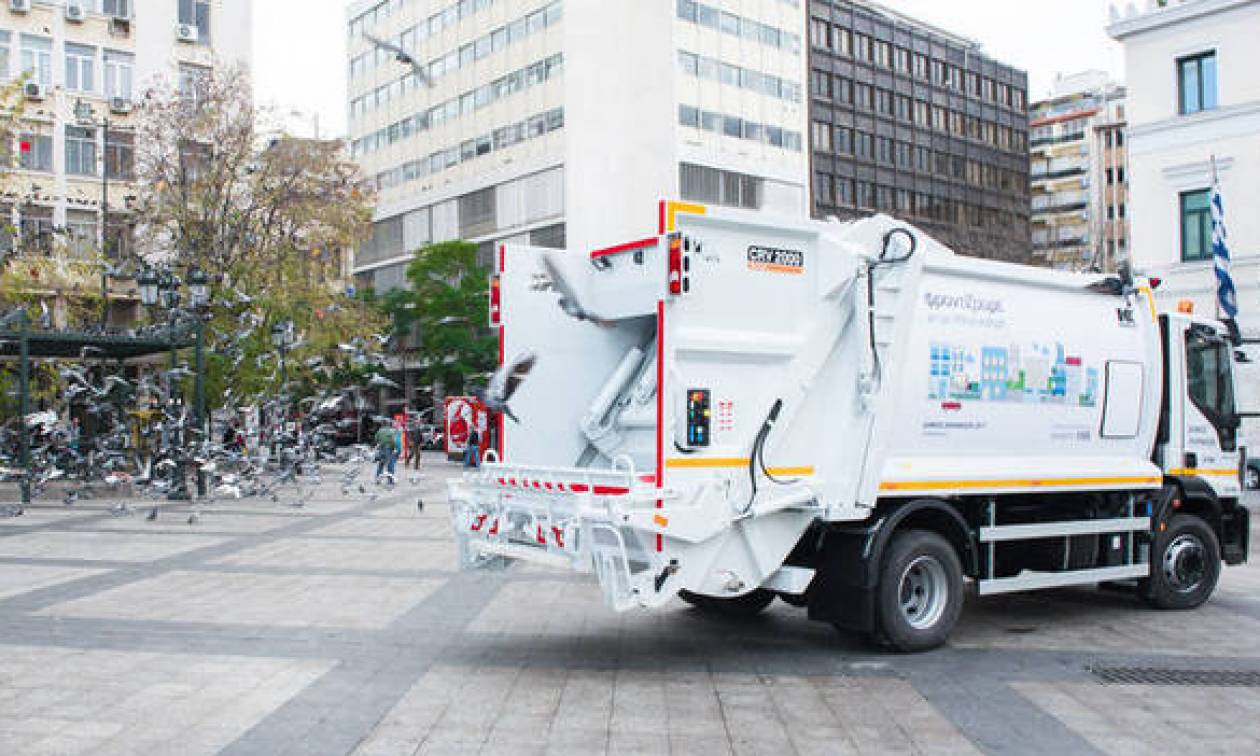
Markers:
88,63
564,122
1194,101
1079,173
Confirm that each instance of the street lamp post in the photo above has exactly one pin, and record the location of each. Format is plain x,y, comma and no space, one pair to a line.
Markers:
199,297
163,287
282,340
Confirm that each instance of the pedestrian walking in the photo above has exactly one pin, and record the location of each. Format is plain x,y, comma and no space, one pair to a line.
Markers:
386,452
472,452
414,442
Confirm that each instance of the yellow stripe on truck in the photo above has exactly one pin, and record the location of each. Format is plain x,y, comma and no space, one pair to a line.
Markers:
727,463
1219,472
1150,300
674,208
935,485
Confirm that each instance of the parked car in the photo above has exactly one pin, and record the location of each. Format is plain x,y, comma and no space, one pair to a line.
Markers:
1251,477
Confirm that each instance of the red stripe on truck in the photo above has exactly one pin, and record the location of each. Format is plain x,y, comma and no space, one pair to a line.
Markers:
660,399
627,247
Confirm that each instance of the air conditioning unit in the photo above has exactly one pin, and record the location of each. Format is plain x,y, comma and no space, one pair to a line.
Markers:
33,90
75,12
119,105
20,6
187,33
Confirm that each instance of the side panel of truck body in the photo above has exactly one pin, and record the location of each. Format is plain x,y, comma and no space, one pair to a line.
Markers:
1014,379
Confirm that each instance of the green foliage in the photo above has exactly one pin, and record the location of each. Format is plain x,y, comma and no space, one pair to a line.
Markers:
269,216
442,319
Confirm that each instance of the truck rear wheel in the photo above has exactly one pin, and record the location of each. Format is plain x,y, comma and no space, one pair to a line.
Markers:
749,605
920,592
1185,564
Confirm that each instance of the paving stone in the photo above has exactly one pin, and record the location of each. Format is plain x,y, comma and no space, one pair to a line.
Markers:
274,600
16,579
341,626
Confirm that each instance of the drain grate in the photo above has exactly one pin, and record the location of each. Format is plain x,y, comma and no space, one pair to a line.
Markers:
1161,676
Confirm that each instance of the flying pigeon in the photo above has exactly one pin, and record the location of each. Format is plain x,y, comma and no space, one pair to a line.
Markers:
402,56
504,383
380,381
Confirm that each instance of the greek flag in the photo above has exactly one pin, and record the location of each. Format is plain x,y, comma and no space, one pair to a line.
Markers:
1226,294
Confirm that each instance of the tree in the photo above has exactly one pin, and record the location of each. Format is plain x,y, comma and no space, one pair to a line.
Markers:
444,315
217,192
269,214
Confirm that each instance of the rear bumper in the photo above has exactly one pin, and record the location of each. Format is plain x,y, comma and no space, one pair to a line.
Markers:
589,521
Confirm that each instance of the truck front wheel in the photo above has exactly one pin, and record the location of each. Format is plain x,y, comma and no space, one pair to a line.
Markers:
920,592
1185,565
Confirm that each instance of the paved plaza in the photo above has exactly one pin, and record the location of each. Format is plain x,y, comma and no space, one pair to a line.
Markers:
343,627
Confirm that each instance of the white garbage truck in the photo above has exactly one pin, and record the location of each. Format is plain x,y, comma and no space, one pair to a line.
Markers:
854,419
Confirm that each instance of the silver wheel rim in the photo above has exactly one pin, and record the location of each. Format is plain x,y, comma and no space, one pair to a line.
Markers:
923,592
1185,563
1253,478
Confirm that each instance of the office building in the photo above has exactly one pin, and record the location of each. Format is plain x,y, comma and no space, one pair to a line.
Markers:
912,120
1080,174
563,123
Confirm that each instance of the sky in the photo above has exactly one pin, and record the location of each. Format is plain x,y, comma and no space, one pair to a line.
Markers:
304,68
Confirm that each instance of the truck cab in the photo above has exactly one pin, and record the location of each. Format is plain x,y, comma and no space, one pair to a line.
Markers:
1198,443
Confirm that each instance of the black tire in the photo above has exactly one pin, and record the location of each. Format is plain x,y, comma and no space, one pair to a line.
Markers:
749,605
1185,564
920,592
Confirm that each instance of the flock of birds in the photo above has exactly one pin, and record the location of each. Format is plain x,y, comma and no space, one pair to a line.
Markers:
145,443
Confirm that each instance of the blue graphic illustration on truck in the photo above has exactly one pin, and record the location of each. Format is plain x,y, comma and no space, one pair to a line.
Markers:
1038,373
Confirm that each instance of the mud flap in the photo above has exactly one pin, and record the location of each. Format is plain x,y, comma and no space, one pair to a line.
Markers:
843,591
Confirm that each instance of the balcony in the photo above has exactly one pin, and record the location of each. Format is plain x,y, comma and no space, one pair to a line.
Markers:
1059,167
1060,202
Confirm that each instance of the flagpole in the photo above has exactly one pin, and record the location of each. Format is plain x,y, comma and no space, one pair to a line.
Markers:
1216,183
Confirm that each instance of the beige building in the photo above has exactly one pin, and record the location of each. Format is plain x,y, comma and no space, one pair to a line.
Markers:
1079,174
87,63
1194,117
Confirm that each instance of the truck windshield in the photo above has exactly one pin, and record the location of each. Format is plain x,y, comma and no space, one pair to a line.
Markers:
1210,383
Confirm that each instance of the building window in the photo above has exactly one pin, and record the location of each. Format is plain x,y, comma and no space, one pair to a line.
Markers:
36,152
119,71
5,52
822,136
36,229
120,154
192,82
81,228
700,183
824,189
37,59
80,68
80,151
196,13
1196,225
1196,83
118,8
477,213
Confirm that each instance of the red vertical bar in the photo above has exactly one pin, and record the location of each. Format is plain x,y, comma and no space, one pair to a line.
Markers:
661,217
502,338
660,408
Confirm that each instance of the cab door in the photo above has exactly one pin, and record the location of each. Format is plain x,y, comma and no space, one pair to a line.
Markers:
1209,427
